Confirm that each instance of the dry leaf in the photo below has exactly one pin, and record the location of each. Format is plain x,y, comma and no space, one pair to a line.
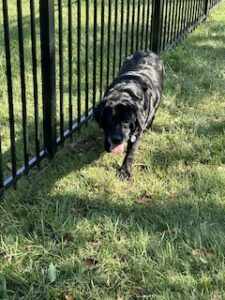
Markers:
90,262
68,296
137,291
216,297
73,146
78,211
145,198
221,169
141,167
98,229
52,273
9,165
197,252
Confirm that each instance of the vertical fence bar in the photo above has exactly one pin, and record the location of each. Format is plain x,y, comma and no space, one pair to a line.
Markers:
22,81
169,23
179,20
35,80
172,21
9,86
138,23
176,21
102,46
70,62
198,9
187,15
94,53
195,11
78,62
61,67
132,27
109,41
165,25
121,32
161,26
143,24
192,11
156,24
147,26
183,18
87,61
127,27
48,74
206,7
115,38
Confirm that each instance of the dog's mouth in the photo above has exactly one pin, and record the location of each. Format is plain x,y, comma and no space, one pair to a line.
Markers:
117,149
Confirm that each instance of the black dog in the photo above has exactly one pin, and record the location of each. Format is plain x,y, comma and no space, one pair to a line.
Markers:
129,105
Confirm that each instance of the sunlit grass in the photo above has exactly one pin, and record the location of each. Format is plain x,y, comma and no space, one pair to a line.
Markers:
72,227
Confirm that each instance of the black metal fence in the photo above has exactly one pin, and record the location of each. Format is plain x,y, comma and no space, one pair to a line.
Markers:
57,58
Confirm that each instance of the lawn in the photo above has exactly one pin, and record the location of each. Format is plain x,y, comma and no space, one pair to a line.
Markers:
71,230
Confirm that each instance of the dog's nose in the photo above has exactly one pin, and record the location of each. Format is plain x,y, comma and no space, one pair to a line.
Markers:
117,140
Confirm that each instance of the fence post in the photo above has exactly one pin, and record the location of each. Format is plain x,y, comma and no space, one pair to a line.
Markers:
47,26
156,25
206,7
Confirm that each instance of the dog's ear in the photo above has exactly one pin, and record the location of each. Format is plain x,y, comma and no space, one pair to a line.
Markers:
98,112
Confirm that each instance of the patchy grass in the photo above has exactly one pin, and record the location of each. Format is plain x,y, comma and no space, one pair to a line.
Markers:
72,230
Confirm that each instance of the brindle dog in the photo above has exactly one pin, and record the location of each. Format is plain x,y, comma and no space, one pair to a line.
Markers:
129,105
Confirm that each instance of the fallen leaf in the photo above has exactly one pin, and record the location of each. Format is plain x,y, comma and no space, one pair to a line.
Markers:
9,165
221,169
73,146
203,260
197,252
52,273
137,291
90,262
216,297
145,198
98,229
78,211
68,296
141,167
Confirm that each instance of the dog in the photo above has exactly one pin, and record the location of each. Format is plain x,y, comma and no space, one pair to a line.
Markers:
129,105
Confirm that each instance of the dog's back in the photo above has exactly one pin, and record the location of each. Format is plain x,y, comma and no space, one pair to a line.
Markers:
146,64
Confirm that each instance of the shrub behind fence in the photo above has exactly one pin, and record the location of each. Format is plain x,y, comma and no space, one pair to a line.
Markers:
59,57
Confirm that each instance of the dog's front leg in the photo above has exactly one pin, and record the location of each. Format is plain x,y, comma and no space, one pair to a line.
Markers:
125,171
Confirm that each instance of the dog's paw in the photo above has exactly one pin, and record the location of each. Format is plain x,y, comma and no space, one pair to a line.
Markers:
123,174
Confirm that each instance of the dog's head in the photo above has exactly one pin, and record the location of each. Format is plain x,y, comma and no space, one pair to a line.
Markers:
118,120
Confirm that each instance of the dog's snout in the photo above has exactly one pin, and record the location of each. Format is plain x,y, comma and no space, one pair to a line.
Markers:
117,139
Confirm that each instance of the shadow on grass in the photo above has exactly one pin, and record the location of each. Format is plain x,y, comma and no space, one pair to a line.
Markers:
79,230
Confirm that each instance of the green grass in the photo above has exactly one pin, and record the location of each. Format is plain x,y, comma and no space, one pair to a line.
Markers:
72,227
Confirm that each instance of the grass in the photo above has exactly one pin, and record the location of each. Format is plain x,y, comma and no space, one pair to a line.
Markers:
72,230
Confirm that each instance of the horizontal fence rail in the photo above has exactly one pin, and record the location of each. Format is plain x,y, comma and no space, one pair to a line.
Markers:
58,57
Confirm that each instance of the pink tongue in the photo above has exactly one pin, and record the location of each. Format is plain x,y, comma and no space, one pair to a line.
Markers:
117,149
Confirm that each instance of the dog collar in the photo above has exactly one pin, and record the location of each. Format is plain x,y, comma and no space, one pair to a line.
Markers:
133,139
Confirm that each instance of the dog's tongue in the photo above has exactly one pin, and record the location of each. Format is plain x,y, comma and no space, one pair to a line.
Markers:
117,149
